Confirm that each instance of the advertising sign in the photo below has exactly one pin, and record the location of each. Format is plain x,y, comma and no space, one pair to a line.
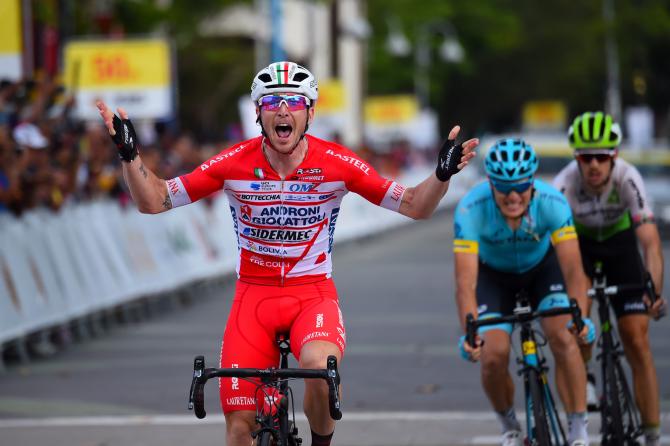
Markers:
132,74
10,39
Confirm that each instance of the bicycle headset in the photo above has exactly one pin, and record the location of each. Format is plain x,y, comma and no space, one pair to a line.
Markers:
284,77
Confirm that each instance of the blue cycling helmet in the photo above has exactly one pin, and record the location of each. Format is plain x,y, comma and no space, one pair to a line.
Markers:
510,160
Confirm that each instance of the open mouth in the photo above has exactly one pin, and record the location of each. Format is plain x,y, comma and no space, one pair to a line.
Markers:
283,130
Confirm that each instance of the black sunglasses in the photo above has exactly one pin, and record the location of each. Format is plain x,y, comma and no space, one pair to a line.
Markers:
588,157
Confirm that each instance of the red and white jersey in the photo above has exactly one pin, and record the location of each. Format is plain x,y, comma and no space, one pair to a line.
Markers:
285,227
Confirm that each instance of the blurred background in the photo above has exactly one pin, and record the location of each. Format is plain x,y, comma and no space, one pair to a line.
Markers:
394,77
77,259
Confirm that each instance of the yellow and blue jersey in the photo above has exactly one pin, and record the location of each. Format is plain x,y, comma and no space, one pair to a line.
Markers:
480,228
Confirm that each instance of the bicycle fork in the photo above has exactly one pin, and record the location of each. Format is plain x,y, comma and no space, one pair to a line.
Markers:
531,359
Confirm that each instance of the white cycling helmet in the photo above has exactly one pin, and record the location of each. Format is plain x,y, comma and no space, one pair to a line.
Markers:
284,77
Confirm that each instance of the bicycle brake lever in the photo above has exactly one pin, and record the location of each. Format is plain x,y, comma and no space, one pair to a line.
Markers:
576,316
196,398
651,292
333,388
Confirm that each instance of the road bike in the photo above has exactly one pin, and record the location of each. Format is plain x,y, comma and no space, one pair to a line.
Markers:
543,425
275,410
620,421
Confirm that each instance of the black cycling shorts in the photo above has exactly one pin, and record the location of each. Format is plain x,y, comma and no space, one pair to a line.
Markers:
497,290
622,265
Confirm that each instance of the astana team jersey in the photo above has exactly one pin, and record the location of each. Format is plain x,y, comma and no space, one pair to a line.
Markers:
285,227
480,228
621,205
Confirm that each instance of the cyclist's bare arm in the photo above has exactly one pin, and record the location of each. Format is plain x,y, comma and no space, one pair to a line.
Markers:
466,270
647,234
576,282
148,191
420,201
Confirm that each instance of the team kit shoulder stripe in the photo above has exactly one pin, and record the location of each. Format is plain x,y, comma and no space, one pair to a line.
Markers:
466,246
177,192
563,234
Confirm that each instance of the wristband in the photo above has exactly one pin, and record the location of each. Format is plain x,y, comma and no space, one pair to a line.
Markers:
448,160
125,139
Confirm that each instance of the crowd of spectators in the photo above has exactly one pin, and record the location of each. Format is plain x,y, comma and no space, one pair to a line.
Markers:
50,159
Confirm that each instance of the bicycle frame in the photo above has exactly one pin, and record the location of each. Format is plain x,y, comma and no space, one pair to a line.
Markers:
620,418
277,423
532,364
532,358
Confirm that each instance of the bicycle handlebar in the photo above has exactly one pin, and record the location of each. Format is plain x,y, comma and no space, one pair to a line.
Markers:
471,325
647,287
201,375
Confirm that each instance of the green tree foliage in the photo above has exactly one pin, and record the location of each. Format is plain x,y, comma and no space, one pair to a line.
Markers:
521,50
212,73
516,51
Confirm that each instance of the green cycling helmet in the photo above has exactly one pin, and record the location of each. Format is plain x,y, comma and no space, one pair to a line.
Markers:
594,130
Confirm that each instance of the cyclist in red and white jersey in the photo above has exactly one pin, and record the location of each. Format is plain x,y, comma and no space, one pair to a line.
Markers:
284,188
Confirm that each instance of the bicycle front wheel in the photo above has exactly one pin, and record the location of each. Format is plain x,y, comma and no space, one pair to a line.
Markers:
266,439
539,433
611,413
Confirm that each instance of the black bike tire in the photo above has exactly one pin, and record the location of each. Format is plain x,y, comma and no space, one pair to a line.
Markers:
542,432
613,423
265,439
629,414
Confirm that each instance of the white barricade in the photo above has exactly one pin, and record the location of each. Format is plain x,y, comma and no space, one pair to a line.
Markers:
13,324
94,256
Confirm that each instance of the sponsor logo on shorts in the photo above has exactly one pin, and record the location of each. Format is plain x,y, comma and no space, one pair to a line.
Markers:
319,320
556,287
342,334
241,401
315,334
234,381
635,306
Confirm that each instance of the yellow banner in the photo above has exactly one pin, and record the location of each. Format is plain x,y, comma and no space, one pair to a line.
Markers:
10,26
117,64
391,109
331,97
544,114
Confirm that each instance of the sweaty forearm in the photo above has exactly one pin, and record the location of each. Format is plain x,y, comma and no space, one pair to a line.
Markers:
420,201
577,287
466,303
148,191
653,260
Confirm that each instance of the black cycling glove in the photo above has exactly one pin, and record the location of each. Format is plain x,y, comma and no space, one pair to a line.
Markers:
125,139
448,160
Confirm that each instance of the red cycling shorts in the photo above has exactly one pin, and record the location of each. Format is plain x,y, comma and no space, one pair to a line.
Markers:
308,312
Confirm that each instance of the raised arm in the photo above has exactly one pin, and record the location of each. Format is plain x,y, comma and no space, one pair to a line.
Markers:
148,191
420,201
